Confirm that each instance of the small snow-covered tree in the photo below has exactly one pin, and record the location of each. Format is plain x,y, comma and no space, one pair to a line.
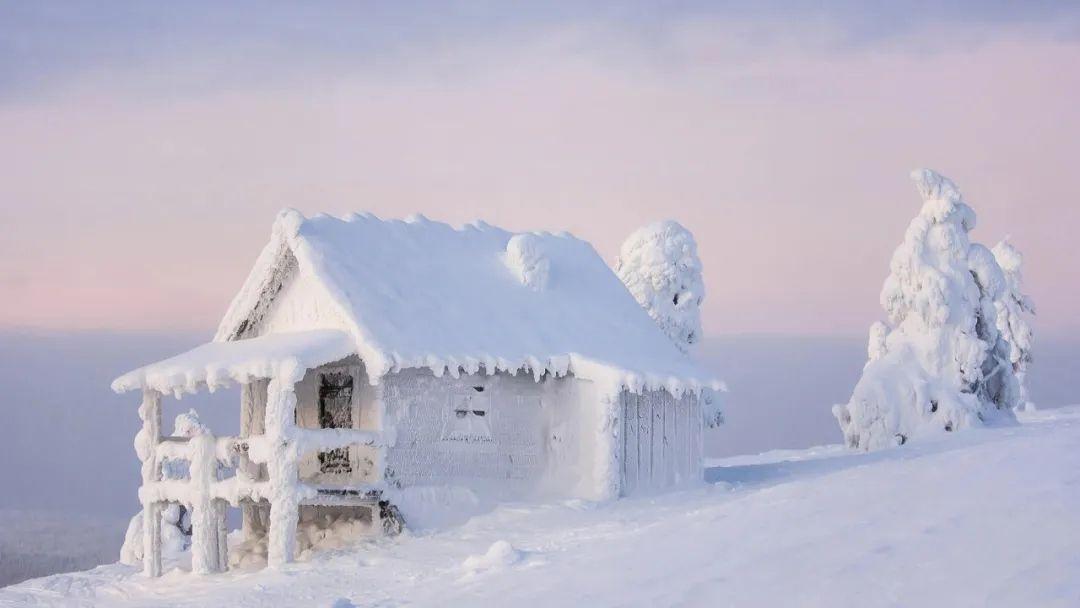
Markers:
1013,308
659,264
936,365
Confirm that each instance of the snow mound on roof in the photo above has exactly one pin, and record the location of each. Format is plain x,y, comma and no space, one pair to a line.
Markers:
423,294
525,256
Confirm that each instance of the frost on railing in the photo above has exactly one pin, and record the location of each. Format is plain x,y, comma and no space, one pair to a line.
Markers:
204,465
207,473
200,473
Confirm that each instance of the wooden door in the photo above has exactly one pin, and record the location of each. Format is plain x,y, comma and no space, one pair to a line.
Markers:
335,412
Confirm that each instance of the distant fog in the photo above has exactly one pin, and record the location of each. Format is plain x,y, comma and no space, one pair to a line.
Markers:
66,439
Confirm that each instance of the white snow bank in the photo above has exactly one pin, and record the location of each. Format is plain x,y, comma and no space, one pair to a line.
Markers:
436,506
219,364
499,555
173,539
985,519
422,294
327,530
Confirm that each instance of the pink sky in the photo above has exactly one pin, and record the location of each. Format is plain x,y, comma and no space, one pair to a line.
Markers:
128,208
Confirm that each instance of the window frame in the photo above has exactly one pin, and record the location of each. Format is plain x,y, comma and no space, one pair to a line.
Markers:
468,417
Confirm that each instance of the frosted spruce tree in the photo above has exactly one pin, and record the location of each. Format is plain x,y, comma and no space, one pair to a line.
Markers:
940,363
1013,308
660,266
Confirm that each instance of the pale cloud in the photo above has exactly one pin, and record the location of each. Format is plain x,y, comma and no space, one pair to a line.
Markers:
128,205
204,45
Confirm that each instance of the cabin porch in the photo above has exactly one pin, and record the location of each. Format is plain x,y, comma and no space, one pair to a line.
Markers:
257,472
284,462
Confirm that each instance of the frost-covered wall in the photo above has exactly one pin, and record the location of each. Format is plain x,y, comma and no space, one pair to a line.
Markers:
499,435
660,441
507,436
487,433
582,440
559,437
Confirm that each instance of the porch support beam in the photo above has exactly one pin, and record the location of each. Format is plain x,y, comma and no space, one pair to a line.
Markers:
252,424
282,469
146,447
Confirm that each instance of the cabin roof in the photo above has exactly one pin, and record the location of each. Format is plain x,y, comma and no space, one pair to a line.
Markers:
417,293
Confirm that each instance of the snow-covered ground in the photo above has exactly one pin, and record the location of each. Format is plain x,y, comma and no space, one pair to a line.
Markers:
987,517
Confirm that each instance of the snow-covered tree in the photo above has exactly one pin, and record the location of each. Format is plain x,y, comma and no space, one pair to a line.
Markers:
1013,308
660,266
936,366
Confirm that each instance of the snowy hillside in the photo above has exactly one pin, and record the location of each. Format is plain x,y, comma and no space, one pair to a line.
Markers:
989,517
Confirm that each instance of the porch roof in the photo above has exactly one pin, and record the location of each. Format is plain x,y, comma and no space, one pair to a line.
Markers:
219,364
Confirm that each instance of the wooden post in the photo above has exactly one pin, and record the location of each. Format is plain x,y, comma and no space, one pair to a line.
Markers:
283,471
150,412
376,517
204,525
252,423
221,508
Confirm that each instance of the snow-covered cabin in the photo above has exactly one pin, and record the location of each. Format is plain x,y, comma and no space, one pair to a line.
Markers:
382,359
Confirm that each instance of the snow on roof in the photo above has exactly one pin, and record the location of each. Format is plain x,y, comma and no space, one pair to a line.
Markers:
218,364
419,293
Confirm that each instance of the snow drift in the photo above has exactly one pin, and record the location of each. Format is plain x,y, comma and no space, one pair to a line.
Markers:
988,519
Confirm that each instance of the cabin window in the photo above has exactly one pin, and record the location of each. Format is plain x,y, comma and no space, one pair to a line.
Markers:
468,418
335,412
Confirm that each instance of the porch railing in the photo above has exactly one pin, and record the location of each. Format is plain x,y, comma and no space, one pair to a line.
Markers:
207,494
